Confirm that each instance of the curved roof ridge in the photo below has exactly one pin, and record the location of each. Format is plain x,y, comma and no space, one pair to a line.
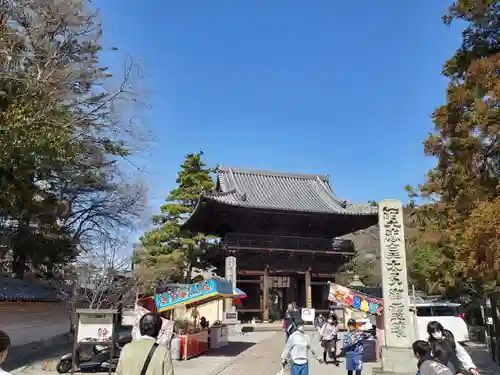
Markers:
330,194
323,177
242,195
220,194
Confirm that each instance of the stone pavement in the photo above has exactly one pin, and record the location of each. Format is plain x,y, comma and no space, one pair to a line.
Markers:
264,359
482,359
212,362
258,353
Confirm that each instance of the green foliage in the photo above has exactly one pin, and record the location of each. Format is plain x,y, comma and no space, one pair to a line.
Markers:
168,251
60,186
466,144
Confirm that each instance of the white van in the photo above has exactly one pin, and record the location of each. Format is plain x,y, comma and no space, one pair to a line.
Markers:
448,314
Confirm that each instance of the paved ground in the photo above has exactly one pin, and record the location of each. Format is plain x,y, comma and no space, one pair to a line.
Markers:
482,359
211,362
264,359
258,353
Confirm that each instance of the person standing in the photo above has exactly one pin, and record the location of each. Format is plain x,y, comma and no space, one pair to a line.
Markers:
318,324
353,348
145,356
296,351
292,316
328,336
4,350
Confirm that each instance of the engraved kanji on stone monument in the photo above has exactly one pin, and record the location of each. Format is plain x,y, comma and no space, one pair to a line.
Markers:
397,319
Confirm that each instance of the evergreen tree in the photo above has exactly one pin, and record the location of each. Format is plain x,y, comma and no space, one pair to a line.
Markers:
452,242
167,251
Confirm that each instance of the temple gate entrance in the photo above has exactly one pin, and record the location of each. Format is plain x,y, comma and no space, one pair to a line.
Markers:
283,228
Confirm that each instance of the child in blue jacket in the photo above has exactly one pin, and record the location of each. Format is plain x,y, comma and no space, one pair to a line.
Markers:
353,348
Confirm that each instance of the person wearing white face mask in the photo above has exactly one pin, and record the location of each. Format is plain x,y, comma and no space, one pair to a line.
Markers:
296,351
4,349
460,359
328,337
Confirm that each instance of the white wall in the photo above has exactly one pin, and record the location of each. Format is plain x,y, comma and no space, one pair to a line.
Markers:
212,311
27,322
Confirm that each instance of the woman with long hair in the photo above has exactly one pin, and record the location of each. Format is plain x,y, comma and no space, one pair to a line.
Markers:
459,359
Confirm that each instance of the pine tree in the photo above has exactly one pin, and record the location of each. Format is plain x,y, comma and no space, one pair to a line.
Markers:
168,251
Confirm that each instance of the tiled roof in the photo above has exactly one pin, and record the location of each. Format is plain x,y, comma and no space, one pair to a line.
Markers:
282,191
25,291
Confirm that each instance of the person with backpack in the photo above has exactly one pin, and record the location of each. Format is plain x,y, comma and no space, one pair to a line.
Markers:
145,356
430,363
459,360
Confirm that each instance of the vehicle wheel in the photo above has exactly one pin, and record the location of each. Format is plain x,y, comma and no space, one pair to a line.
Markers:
64,366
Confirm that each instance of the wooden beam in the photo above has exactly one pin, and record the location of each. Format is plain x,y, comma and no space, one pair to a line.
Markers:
292,251
324,275
265,295
324,283
308,289
249,281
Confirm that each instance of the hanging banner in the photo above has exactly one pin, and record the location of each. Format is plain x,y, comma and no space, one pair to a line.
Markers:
187,294
355,300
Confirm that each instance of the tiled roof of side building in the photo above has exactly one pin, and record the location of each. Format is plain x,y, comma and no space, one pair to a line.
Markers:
282,191
15,290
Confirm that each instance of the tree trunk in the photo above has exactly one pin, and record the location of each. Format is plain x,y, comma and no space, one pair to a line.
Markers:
19,265
20,245
187,276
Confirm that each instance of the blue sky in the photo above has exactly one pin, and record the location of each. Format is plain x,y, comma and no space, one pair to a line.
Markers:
344,88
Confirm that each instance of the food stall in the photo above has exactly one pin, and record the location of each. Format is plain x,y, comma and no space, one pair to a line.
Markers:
193,340
365,309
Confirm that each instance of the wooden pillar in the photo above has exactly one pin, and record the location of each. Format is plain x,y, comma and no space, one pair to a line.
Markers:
308,289
265,295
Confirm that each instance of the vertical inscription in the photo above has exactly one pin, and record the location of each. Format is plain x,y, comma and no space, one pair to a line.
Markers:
398,330
231,270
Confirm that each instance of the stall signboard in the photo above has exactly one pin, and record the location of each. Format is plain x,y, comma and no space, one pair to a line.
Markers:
308,315
231,315
186,294
355,300
95,327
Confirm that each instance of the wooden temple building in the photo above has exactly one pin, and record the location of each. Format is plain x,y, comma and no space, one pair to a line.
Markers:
283,229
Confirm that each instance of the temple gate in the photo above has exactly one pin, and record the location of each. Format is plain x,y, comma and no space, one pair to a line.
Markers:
283,229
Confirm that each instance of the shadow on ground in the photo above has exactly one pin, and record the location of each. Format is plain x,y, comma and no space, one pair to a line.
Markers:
22,357
247,329
232,350
482,359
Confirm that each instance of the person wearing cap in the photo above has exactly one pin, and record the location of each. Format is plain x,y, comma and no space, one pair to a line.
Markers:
296,351
353,348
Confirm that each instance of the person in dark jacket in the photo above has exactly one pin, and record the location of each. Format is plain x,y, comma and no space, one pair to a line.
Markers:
292,316
429,364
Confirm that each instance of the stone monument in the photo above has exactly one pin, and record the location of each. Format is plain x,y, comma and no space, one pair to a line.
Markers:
397,354
230,317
